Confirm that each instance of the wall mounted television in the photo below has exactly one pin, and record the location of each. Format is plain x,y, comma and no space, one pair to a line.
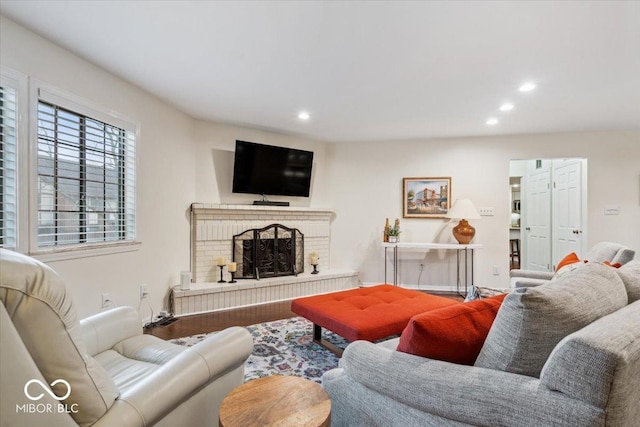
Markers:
270,170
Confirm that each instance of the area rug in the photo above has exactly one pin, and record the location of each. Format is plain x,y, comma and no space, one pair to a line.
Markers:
284,347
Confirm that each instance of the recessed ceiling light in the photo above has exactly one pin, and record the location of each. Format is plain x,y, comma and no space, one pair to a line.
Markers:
303,115
492,121
507,106
527,87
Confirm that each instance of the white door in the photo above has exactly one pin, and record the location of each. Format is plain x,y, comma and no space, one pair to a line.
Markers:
537,226
567,209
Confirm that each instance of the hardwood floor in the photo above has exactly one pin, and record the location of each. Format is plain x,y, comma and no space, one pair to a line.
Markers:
219,320
245,316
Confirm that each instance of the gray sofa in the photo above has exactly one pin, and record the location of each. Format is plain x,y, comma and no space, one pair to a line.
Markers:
600,252
566,353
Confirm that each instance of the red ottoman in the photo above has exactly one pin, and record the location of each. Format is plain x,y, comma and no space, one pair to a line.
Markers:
365,313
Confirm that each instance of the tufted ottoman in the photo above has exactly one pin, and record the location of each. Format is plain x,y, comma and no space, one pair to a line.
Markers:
365,313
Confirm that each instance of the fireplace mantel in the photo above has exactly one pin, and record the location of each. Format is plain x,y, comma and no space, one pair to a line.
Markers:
212,229
214,225
226,208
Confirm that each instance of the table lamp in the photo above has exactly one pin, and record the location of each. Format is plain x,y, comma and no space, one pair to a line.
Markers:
463,210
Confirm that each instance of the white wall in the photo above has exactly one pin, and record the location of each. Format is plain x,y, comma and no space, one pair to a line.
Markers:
366,181
165,172
215,145
181,160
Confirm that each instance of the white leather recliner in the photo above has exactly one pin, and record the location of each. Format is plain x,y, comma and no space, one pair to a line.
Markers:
101,371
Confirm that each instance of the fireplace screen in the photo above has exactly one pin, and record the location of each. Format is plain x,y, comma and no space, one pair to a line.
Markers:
271,251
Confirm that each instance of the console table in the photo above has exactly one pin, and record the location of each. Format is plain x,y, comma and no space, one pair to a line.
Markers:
463,252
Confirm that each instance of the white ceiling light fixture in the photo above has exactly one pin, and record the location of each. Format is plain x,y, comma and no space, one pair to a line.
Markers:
527,87
507,106
492,121
303,115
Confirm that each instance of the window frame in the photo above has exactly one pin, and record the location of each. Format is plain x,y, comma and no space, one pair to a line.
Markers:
40,91
20,83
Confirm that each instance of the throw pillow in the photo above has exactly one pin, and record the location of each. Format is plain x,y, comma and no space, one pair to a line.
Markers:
568,264
485,292
630,275
572,258
532,321
479,292
567,269
454,334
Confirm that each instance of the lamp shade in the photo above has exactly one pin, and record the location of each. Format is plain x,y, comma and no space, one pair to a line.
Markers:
463,209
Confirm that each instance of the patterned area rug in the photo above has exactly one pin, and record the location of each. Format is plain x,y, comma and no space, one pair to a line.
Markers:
284,347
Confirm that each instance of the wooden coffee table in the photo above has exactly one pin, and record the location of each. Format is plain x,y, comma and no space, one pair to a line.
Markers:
276,400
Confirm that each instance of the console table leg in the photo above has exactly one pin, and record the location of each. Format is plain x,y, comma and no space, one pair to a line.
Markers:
395,265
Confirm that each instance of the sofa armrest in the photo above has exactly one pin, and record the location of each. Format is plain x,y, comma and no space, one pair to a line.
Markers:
531,274
103,330
165,389
523,282
466,394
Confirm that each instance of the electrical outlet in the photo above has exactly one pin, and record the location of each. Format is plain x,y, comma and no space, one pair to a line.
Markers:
107,301
486,211
496,270
144,291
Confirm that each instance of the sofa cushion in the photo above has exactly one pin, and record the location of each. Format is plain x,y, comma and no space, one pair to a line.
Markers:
600,365
124,371
608,251
454,334
531,321
43,313
623,256
630,275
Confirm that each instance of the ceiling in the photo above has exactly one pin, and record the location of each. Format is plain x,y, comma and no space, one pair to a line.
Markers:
365,71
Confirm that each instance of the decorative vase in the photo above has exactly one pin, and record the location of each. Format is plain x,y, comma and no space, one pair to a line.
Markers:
464,232
393,239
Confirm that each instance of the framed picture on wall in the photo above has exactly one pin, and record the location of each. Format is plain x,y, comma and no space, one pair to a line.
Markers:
426,197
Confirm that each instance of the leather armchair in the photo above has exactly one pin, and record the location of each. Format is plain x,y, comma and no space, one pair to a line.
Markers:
600,252
116,375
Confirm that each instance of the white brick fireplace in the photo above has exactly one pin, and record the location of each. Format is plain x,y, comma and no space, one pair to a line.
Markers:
212,229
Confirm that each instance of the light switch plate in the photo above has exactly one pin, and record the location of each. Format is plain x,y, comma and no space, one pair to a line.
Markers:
612,210
487,211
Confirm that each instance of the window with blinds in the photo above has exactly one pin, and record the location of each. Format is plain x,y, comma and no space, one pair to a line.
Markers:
8,145
85,179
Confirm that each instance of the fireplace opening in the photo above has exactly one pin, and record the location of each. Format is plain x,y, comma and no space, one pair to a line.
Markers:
272,251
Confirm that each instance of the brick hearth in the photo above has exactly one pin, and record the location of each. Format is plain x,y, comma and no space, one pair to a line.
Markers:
213,227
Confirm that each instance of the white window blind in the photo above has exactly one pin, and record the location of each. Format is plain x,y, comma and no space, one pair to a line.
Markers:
85,179
8,178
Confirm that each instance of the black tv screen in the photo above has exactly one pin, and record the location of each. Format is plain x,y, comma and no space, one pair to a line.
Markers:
270,170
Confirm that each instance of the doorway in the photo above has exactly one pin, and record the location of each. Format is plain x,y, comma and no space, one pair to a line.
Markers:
551,210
